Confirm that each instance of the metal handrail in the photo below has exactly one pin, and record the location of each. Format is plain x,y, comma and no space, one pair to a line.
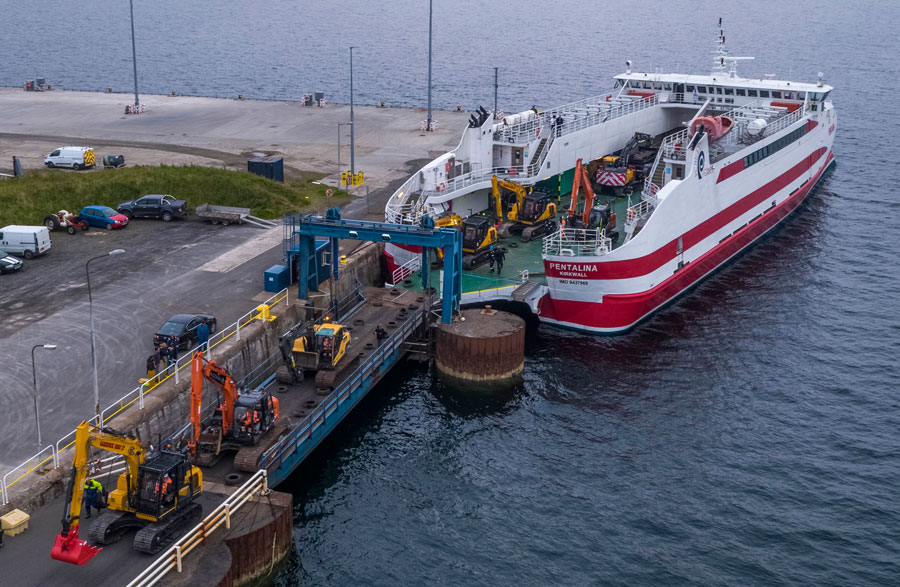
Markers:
173,558
136,395
405,270
288,442
577,242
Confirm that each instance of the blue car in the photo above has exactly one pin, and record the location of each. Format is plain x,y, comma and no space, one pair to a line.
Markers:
103,217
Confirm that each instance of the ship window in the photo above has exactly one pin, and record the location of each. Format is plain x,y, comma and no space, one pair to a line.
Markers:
646,85
667,87
729,91
701,89
657,86
751,93
825,96
618,83
718,90
729,100
776,94
764,93
740,92
689,88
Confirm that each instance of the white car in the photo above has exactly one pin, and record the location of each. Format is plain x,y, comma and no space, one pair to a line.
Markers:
74,157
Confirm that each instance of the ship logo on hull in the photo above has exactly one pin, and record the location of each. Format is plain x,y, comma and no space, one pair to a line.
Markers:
701,161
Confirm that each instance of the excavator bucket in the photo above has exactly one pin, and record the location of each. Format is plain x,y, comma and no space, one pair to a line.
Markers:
68,548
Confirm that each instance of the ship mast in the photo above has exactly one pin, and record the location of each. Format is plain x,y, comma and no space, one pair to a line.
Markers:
720,56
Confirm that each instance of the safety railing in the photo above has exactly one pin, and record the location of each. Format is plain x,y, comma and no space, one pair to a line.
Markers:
173,558
577,242
273,457
137,395
405,270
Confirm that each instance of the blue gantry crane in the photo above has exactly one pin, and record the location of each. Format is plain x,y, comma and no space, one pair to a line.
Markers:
300,241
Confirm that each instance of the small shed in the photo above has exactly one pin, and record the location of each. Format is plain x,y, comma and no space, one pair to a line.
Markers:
270,167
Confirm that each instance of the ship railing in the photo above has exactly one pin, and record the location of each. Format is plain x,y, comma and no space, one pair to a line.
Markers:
405,270
673,146
401,202
641,210
577,242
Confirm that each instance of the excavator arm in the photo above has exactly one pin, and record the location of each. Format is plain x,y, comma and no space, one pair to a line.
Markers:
519,190
68,547
581,180
202,369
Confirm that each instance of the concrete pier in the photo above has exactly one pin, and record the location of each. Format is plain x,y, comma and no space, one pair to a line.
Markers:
483,347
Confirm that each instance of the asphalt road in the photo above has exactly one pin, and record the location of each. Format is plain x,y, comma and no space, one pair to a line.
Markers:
182,266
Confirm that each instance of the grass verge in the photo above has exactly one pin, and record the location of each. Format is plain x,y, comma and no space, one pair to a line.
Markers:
28,199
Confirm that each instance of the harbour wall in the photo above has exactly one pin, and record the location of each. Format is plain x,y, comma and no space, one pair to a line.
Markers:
166,409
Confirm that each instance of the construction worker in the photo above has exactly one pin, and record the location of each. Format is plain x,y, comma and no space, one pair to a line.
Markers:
93,496
203,335
380,333
499,256
492,258
162,351
152,365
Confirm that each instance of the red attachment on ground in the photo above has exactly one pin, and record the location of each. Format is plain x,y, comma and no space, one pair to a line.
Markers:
68,548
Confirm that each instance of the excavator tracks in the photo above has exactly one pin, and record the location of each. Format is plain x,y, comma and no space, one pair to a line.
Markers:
328,378
283,375
109,527
152,538
247,457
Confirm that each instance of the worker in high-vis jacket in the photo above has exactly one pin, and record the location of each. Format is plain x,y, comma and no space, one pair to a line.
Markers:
93,496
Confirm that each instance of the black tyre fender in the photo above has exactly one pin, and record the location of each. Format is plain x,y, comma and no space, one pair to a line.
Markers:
51,221
70,229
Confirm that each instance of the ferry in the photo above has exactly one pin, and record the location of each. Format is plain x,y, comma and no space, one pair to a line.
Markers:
680,173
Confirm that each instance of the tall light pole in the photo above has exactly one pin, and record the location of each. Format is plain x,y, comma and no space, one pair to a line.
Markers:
496,69
137,102
339,125
37,419
93,348
352,126
428,122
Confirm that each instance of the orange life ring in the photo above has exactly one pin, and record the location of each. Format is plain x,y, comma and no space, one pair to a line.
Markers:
441,187
329,192
607,98
447,167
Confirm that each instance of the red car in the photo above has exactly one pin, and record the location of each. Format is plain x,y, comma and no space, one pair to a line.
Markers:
103,217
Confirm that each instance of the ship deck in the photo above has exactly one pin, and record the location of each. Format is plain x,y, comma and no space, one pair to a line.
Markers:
520,257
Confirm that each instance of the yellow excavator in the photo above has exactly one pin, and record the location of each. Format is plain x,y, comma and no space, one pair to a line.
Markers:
155,494
321,348
479,235
530,213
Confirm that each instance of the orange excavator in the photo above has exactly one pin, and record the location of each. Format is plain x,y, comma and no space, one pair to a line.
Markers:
246,422
593,216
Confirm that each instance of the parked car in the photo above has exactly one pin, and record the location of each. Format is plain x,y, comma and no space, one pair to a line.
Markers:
74,157
28,241
153,206
103,217
9,264
182,329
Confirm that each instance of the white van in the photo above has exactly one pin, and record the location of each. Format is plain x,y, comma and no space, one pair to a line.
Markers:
28,241
74,157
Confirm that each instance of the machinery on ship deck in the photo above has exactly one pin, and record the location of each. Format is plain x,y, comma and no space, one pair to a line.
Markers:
593,215
321,348
155,494
479,235
245,422
629,166
519,211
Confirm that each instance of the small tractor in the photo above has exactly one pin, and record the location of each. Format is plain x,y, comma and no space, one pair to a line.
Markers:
65,219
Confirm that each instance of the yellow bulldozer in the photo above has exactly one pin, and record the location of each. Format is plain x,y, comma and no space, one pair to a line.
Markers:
529,213
156,494
321,348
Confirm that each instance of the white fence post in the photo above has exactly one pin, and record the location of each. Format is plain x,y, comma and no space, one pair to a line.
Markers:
141,396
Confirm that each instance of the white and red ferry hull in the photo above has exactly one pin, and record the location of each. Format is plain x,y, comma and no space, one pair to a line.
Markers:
619,312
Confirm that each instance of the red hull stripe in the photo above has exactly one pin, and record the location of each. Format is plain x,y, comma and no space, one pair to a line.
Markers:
619,312
730,170
639,266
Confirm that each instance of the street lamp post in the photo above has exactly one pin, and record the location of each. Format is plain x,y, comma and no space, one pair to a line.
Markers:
339,125
37,419
428,122
352,126
137,102
93,348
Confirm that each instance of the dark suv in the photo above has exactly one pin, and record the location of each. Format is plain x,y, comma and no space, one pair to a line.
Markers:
153,206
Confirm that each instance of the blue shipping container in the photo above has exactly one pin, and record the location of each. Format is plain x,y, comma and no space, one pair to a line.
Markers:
277,278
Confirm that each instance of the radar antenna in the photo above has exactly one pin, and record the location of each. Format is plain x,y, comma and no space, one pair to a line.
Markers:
720,55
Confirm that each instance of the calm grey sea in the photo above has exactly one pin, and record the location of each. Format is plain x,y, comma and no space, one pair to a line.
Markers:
748,435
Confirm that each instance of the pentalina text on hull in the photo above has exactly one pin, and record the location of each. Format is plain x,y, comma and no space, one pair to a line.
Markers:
698,167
